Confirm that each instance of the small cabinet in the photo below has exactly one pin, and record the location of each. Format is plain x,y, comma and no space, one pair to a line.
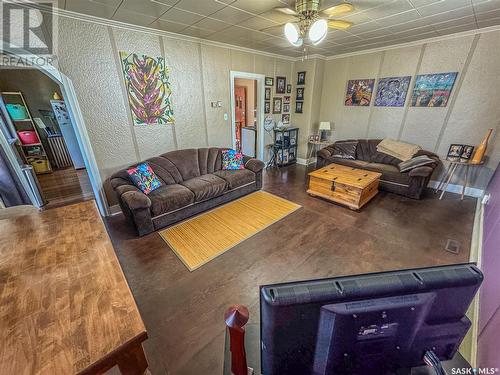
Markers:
285,146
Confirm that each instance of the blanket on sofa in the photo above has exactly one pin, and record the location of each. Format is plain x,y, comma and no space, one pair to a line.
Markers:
400,150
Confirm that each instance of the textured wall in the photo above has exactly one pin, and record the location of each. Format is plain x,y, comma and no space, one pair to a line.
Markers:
472,108
88,55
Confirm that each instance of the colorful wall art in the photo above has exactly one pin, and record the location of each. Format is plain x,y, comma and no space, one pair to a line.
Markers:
359,92
433,90
148,89
391,91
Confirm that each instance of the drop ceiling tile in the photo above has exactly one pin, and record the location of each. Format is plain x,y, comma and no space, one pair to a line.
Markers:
231,15
148,8
172,27
278,17
181,16
382,32
494,13
449,15
197,32
112,3
421,3
134,18
415,31
202,7
257,23
443,6
485,6
365,27
257,6
407,16
410,25
103,10
468,20
490,22
456,28
356,18
390,9
212,24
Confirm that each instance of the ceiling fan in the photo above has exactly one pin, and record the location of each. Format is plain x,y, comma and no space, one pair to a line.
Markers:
313,22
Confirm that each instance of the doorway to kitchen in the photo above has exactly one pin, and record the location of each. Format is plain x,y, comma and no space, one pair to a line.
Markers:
247,107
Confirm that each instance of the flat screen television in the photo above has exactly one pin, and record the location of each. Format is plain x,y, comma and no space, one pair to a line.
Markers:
366,324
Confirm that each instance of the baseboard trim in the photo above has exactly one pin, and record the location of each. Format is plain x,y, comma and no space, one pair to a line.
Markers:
114,210
453,188
306,161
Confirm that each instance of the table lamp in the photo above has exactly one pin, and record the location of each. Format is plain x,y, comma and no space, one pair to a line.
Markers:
323,127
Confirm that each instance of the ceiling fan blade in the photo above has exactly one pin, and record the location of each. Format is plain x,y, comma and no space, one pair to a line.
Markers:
287,10
339,24
339,9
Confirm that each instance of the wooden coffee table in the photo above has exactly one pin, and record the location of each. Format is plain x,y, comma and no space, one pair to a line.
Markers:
349,186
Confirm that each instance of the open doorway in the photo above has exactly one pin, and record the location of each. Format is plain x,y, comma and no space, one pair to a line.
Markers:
247,104
33,107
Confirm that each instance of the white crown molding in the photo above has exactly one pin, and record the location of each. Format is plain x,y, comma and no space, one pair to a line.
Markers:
462,34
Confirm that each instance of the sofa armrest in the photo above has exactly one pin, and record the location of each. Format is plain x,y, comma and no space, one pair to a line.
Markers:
424,171
324,153
136,200
255,165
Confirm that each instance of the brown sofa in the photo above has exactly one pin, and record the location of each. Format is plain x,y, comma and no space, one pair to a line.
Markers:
192,181
410,184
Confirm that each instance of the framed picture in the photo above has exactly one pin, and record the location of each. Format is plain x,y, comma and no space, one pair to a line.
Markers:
301,78
267,107
433,90
311,138
285,118
289,88
455,152
466,153
267,95
391,91
286,100
300,93
359,92
316,138
277,105
280,85
298,107
286,107
269,81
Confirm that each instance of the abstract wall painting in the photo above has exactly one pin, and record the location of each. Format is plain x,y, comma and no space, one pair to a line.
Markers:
148,89
433,90
392,91
359,92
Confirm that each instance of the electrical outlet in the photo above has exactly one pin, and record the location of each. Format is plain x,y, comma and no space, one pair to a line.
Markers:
226,117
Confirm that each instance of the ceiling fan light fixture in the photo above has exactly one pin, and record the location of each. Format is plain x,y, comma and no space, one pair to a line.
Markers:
292,34
318,31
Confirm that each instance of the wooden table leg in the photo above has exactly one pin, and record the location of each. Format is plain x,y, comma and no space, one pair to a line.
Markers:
466,182
133,362
452,172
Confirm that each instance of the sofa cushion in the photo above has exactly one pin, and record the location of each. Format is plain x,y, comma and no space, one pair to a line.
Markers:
366,149
236,178
185,162
206,186
381,158
344,150
169,198
348,162
389,173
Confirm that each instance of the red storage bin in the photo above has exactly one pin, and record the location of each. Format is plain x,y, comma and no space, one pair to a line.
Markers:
28,137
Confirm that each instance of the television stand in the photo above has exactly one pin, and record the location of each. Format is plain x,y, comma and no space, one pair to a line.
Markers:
252,346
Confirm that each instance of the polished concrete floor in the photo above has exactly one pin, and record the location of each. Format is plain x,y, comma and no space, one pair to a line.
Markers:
183,311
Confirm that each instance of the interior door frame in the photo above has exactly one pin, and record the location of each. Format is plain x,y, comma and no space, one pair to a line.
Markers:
75,114
260,78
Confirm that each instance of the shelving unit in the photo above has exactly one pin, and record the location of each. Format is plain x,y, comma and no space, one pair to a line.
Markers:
285,146
33,153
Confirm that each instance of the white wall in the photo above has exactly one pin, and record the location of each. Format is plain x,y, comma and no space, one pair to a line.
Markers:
472,109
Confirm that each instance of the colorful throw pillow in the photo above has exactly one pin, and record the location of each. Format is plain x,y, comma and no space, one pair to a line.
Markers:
144,178
232,160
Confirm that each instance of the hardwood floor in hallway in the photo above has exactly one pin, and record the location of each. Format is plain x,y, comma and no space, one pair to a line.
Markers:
183,311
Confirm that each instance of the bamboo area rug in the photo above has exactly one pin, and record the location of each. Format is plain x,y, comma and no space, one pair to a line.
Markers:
202,238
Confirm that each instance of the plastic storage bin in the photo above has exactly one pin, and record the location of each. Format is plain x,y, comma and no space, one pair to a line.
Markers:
28,137
39,165
17,111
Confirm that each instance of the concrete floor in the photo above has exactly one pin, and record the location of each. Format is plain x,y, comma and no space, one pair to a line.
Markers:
183,311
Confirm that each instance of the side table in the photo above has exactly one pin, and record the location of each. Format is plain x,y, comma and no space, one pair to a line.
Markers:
316,146
450,172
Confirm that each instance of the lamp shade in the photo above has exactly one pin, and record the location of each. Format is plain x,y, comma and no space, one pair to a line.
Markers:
292,34
318,31
324,125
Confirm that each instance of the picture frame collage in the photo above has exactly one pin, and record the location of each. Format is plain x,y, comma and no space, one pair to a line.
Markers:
279,104
460,153
300,92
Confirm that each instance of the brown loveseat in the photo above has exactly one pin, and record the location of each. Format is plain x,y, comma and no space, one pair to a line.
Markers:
192,181
410,184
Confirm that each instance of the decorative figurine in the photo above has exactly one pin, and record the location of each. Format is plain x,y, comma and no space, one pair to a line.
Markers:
236,317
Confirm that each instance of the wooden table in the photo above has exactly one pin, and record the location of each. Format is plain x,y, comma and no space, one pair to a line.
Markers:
345,185
450,172
65,306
